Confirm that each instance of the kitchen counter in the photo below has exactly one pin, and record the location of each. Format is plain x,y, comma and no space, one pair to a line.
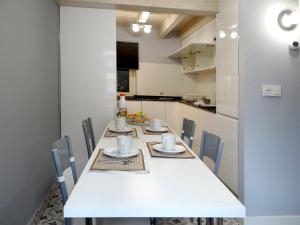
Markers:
168,99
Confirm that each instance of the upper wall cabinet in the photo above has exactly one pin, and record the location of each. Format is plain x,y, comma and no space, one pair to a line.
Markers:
227,58
195,57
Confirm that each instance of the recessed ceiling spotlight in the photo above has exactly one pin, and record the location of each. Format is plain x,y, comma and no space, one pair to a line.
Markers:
233,35
222,34
135,27
147,29
144,17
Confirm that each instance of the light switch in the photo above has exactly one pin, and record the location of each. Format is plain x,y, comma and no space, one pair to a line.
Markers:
271,90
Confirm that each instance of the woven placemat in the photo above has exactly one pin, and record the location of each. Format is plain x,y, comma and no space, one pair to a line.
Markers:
106,163
183,155
110,133
145,131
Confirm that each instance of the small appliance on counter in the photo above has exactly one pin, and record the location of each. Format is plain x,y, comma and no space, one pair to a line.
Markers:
190,97
204,102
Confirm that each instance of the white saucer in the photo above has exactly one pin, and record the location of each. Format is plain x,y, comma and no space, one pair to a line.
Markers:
125,130
162,129
178,149
113,152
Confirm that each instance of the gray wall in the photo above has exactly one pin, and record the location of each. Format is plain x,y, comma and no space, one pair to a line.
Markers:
270,127
151,48
29,118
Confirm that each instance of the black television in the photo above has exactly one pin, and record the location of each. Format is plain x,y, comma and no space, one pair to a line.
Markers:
127,55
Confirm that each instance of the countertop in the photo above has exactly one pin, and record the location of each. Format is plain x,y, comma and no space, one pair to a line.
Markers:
168,99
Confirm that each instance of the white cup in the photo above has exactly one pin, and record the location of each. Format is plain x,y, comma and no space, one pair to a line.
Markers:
124,144
120,123
155,124
168,141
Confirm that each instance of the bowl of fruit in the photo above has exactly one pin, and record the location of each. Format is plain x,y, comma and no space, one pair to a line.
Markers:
138,118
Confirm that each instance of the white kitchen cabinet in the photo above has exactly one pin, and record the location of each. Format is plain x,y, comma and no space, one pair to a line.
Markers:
227,58
86,49
227,129
133,106
171,114
204,121
155,109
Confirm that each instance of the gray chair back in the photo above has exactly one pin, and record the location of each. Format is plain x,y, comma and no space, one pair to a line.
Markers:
212,147
89,136
63,160
188,131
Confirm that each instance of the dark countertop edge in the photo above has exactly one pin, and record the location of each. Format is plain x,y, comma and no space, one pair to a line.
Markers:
169,99
210,109
152,98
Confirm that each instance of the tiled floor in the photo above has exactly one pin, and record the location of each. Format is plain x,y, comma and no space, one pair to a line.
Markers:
51,213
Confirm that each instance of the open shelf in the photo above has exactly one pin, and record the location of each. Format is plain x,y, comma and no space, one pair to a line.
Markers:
208,69
195,57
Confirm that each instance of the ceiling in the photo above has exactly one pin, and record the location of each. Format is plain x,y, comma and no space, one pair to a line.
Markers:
161,21
126,18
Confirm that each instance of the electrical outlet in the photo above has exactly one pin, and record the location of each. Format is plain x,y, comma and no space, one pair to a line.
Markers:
271,90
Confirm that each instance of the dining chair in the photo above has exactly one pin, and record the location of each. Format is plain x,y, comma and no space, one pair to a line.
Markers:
65,167
188,131
64,162
212,147
89,136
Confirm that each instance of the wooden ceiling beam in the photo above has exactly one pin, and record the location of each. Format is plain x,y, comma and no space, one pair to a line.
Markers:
169,24
188,7
193,26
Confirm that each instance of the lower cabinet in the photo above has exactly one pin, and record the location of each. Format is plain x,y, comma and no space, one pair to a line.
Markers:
154,109
171,115
225,127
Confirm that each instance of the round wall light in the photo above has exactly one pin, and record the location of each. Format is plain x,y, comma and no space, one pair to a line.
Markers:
286,20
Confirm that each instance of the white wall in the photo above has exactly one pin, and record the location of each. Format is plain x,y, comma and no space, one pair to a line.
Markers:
88,73
151,48
29,117
152,78
270,126
203,83
156,69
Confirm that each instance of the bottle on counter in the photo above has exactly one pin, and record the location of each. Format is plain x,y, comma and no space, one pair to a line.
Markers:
122,107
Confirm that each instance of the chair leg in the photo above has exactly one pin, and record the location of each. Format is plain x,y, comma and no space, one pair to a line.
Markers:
199,221
88,221
153,221
219,221
209,221
68,221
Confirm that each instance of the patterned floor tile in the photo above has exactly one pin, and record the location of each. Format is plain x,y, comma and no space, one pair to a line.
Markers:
51,213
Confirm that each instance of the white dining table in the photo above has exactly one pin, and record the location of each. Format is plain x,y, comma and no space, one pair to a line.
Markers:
172,188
